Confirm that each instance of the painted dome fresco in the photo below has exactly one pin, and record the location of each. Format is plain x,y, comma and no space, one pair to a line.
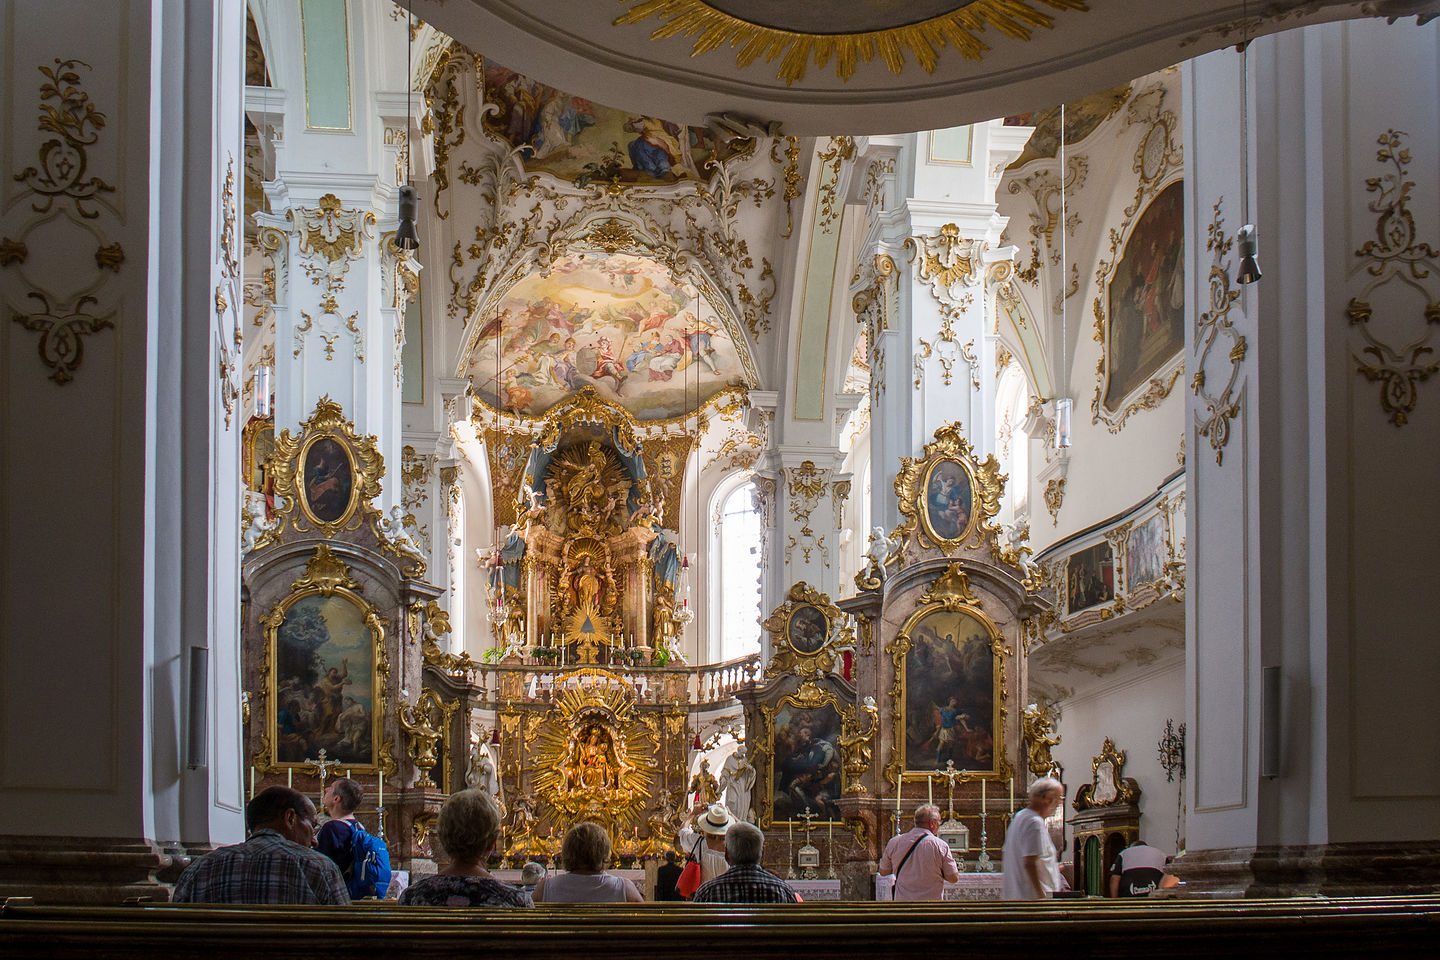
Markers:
619,323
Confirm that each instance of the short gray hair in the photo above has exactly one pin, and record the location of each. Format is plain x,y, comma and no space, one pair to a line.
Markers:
1043,786
468,823
925,814
743,843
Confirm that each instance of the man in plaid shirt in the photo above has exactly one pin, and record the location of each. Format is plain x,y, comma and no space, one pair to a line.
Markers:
746,881
276,865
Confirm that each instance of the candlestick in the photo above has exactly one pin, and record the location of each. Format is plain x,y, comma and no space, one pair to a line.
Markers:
899,785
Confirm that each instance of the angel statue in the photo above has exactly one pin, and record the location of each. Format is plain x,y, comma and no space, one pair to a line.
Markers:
258,529
880,547
703,785
395,531
1036,724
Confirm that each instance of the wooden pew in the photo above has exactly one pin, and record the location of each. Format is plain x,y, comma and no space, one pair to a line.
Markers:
1096,928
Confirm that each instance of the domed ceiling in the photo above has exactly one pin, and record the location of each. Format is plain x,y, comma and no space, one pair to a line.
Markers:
860,66
616,322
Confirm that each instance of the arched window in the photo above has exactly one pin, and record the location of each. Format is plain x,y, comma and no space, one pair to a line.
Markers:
738,561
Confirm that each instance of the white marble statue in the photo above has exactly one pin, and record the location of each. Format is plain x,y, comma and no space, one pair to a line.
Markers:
737,782
394,530
482,774
257,527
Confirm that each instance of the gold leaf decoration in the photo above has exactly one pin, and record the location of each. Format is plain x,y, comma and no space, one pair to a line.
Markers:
924,40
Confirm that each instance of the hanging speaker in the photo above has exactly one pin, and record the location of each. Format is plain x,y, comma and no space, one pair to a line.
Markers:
1270,722
198,750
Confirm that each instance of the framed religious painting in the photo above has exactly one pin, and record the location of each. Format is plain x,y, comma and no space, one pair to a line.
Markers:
325,647
1147,550
952,680
327,474
257,444
1090,577
803,736
805,631
327,480
947,508
1143,310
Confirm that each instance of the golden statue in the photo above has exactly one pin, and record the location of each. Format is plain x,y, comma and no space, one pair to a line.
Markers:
1036,724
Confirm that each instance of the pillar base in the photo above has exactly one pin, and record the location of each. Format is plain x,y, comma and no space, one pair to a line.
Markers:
1314,870
86,870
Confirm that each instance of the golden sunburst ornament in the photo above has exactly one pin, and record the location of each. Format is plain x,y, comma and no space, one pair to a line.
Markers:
959,28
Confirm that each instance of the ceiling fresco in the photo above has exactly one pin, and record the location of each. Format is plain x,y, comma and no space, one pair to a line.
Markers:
579,140
616,322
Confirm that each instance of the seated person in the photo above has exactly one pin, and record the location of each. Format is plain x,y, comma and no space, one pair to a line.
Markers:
275,865
469,822
1138,870
746,881
586,852
530,875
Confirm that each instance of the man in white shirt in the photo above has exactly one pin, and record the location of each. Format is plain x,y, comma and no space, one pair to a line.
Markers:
1032,869
920,861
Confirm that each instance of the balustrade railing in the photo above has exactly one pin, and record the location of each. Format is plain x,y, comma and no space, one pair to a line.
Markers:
704,686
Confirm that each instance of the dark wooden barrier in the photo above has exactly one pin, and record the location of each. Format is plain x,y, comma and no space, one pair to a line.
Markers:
811,931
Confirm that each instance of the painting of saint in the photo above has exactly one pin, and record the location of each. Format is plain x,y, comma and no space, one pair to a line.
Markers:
1145,552
1090,577
575,139
806,769
947,499
324,676
950,693
808,630
257,444
617,323
1147,297
329,480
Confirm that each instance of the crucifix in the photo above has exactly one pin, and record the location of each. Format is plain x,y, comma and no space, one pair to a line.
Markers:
809,857
321,768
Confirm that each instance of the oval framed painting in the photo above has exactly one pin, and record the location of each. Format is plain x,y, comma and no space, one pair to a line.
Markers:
808,629
327,481
947,500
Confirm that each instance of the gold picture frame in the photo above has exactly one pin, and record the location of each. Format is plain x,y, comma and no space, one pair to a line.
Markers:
806,615
951,453
949,597
820,756
319,713
329,463
956,473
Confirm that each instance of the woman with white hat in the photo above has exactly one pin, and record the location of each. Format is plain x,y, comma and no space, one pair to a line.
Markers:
703,837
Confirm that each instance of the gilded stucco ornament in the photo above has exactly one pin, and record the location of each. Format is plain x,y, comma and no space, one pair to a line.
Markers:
424,723
986,485
1396,254
922,40
1213,422
792,625
366,465
1037,726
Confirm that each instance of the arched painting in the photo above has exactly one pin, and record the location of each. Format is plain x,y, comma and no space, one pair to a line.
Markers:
806,770
328,480
1147,298
324,682
950,693
949,496
616,322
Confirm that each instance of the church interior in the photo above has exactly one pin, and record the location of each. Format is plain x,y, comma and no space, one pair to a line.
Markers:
821,409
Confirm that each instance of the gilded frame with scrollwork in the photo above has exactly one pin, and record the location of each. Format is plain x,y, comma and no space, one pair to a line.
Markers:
809,696
950,593
787,656
326,576
912,482
927,524
366,469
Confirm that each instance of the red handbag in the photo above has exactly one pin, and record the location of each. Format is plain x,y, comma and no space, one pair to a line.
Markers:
689,880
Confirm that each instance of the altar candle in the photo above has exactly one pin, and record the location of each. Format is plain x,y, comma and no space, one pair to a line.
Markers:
1011,785
252,783
380,798
790,825
347,773
899,786
982,797
929,790
290,777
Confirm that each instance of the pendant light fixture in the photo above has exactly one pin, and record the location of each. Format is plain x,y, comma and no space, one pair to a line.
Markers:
1249,270
1064,406
405,236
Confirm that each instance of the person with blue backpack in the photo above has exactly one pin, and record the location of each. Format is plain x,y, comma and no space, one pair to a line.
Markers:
361,856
